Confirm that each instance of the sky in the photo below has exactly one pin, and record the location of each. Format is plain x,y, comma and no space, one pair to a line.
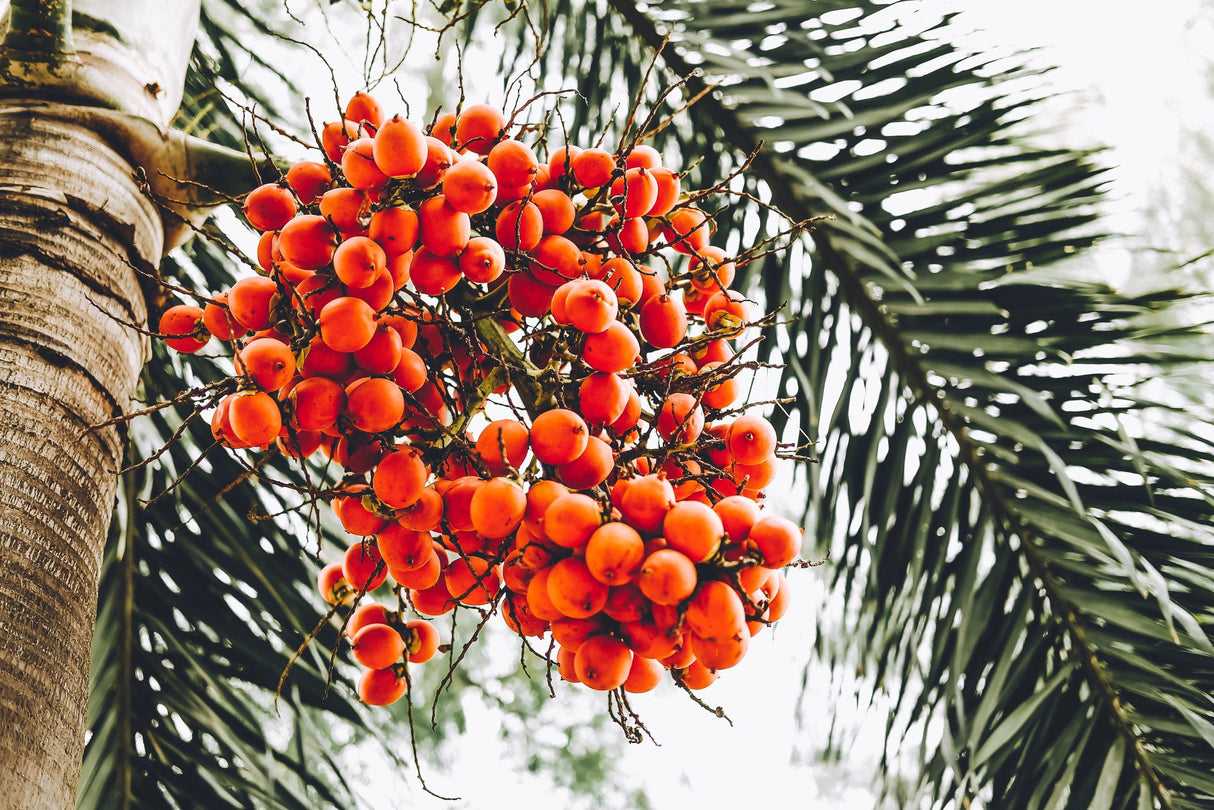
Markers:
1134,81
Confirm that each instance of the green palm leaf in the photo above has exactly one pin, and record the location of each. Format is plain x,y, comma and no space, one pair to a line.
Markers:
1018,524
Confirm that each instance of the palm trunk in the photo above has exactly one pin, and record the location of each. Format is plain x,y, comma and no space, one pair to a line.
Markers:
73,226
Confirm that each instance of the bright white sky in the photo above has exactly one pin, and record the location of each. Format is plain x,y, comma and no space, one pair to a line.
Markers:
1139,84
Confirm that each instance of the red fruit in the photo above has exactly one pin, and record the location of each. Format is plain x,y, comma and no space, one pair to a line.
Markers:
381,687
250,301
374,404
347,324
680,420
268,362
777,539
364,569
400,148
478,128
603,663
358,260
559,436
254,418
268,207
378,646
613,350
400,478
309,179
469,186
663,321
751,439
184,328
497,508
667,577
603,397
482,260
308,242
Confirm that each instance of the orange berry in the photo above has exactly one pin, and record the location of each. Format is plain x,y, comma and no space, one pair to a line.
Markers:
506,435
395,229
591,306
268,362
559,436
513,163
519,226
663,321
307,241
556,210
335,136
358,165
573,590
680,419
400,477
718,654
646,502
421,641
374,404
469,186
268,207
381,687
668,191
364,616
250,301
603,663
219,320
589,469
184,327
472,580
572,633
667,577
778,540
347,324
425,513
445,231
694,529
751,439
363,108
309,179
383,352
400,148
602,397
614,553
432,274
613,350
358,260
479,128
738,514
715,612
637,191
333,586
404,549
378,646
593,167
644,675
482,260
255,418
497,508
364,569
570,519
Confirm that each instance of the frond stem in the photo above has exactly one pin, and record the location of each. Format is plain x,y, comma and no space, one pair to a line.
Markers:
854,292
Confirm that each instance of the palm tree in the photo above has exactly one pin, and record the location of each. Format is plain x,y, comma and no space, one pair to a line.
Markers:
1025,565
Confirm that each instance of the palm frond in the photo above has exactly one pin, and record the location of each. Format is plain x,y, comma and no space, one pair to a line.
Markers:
1018,521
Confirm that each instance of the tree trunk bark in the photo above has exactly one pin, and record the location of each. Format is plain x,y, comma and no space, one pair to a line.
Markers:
73,226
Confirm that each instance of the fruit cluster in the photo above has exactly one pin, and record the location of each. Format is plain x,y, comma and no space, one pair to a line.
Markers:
416,285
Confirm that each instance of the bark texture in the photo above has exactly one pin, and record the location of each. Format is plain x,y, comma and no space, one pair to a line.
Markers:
73,225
